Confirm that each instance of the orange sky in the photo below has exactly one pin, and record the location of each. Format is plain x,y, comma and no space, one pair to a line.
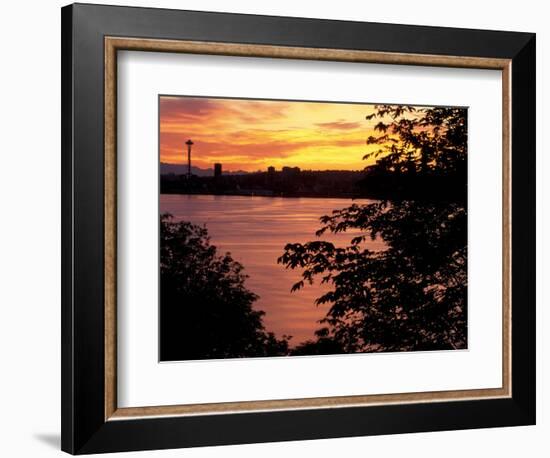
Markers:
251,135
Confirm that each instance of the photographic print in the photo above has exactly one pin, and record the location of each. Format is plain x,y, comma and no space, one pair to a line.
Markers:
296,228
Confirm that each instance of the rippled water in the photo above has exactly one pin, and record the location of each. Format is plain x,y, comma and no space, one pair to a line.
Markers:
255,230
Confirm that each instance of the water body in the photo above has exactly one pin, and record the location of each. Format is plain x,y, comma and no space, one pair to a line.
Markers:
255,230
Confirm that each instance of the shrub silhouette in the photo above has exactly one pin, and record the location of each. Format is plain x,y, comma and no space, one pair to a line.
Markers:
206,310
412,295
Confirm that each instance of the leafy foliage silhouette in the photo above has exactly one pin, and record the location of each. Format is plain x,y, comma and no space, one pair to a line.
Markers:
206,310
411,295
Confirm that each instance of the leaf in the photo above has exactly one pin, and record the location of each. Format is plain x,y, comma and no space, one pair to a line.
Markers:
297,286
357,240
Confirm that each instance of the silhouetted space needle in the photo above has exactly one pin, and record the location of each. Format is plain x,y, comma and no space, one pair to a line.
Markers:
189,144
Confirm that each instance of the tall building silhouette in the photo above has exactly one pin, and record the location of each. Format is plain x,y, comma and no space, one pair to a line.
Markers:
189,144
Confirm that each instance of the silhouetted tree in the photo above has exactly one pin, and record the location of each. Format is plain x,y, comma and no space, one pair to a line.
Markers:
423,140
206,310
324,345
411,295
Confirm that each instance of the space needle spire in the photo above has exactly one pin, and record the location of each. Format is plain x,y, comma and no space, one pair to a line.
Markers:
189,144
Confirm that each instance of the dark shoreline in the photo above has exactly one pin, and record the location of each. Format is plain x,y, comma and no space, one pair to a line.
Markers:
283,195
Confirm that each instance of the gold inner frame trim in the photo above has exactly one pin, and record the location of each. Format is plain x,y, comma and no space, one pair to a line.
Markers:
114,44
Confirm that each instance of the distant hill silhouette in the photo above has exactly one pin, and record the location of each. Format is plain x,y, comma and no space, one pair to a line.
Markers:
181,169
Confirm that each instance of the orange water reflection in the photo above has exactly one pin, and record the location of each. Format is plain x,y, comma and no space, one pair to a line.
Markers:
255,230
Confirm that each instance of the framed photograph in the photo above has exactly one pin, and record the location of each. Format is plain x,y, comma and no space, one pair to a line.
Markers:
282,228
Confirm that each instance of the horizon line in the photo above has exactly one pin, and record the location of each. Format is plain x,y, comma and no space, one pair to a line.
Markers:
183,164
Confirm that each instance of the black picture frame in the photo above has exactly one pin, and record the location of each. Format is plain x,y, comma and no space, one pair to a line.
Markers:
84,427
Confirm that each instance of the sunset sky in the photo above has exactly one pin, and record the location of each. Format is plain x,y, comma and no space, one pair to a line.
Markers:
252,135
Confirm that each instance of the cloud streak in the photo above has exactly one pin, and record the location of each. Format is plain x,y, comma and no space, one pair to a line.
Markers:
339,125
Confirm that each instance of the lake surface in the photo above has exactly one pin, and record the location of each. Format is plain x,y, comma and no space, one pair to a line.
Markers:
255,230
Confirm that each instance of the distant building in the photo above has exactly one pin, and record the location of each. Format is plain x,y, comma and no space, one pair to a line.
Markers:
189,144
270,177
290,171
217,170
